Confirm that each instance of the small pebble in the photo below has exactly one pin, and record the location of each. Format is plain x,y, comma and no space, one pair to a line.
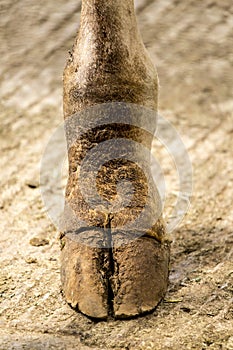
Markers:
31,260
38,242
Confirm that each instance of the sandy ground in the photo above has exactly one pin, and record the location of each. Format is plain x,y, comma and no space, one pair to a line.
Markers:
191,45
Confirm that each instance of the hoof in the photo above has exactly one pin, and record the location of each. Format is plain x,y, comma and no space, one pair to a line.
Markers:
140,276
123,282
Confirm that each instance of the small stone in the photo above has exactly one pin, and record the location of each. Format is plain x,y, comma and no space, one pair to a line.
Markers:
38,242
31,260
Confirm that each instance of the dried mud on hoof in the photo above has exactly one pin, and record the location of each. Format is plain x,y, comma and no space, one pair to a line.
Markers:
120,282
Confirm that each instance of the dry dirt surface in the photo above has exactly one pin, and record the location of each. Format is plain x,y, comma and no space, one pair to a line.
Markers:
191,44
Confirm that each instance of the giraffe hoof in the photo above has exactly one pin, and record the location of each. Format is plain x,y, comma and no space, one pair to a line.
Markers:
84,272
123,282
141,276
